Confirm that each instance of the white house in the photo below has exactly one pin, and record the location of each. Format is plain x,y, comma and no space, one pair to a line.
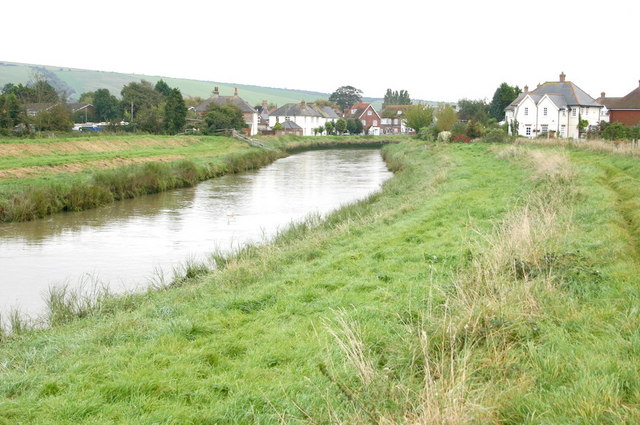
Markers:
554,109
303,114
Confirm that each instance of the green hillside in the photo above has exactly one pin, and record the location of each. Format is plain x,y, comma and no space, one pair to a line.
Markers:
77,81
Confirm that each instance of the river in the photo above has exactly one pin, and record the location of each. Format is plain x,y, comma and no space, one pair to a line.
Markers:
128,243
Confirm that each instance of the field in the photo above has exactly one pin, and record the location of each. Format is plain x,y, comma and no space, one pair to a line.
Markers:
485,284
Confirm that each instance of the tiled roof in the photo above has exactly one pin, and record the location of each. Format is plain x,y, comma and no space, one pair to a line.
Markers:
297,110
561,93
630,101
290,125
225,100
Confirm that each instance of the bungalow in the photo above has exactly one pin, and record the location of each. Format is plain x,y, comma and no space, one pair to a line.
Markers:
553,108
625,110
366,113
305,115
248,112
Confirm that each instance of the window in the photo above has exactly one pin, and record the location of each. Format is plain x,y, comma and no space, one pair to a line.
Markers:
369,112
545,129
353,111
375,123
287,118
573,112
526,111
364,123
527,130
544,112
562,130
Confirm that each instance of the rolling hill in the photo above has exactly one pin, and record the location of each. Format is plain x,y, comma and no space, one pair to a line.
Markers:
76,81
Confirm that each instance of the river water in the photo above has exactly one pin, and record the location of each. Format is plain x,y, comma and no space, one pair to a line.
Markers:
125,244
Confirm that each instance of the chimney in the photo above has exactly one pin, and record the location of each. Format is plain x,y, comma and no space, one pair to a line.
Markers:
235,92
216,92
303,104
538,85
265,106
603,95
562,77
526,89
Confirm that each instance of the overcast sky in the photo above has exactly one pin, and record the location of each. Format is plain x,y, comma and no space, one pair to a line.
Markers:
443,50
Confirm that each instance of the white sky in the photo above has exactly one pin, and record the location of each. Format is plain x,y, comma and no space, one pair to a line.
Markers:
442,50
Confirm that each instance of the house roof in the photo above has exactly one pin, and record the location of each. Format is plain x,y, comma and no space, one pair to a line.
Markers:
225,100
561,93
302,109
329,112
630,101
358,109
290,125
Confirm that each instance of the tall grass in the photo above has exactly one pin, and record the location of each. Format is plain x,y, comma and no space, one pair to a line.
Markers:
127,182
625,148
491,306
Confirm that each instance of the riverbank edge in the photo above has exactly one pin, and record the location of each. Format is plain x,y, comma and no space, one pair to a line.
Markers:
107,186
65,304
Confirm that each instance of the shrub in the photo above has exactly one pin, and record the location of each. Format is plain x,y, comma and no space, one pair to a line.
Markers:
429,133
496,135
459,128
460,138
444,136
475,129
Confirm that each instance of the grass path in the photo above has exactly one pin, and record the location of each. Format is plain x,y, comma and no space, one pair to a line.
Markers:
481,286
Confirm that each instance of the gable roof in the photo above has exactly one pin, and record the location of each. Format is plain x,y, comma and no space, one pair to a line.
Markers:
302,109
630,101
358,109
225,100
561,93
290,125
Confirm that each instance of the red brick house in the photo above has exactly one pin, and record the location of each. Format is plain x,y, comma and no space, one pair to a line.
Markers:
625,110
365,112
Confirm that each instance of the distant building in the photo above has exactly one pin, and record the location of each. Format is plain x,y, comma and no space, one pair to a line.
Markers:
393,119
625,110
248,112
303,114
366,113
553,109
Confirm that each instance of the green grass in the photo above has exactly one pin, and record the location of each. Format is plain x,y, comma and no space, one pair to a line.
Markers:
481,286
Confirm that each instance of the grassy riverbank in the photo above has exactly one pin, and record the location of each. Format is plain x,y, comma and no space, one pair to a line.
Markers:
485,284
42,177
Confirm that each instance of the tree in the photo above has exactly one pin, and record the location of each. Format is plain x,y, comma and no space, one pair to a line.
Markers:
56,118
162,87
105,106
354,126
175,112
396,98
139,96
446,117
346,96
514,125
473,110
419,116
11,111
341,125
503,96
87,97
222,117
329,126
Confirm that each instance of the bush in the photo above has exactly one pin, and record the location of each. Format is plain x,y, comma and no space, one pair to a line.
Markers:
444,136
460,138
458,129
430,133
475,129
496,135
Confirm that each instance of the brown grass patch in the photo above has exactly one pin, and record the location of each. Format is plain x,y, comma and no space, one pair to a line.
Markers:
22,150
82,166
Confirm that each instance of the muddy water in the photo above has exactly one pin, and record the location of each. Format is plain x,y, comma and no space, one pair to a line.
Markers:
126,244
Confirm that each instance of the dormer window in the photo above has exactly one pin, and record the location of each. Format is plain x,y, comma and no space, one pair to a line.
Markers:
353,111
369,112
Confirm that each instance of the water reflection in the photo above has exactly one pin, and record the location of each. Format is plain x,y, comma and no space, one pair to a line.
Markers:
124,242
